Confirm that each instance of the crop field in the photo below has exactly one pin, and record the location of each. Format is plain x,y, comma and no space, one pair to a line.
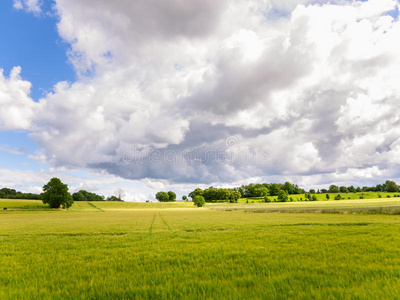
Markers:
322,196
21,204
374,206
175,251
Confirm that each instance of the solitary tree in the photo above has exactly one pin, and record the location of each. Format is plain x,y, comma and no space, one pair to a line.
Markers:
199,201
56,194
184,198
162,196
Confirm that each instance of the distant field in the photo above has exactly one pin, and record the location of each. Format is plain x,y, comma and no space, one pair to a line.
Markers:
141,205
322,197
383,206
22,204
162,251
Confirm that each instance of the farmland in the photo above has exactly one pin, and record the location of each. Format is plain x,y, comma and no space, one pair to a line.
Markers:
111,250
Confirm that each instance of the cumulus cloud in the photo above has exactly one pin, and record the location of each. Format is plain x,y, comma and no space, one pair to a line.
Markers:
33,6
16,107
305,88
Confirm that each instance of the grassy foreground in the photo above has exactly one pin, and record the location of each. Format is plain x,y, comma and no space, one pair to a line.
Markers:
103,251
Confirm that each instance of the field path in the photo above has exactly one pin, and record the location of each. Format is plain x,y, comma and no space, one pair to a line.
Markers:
152,224
159,224
166,224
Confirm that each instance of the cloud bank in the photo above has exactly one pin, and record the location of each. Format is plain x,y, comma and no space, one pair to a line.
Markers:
165,88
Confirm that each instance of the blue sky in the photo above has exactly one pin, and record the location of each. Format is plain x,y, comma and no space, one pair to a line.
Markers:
313,87
31,42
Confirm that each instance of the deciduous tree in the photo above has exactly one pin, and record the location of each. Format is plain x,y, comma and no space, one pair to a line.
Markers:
56,194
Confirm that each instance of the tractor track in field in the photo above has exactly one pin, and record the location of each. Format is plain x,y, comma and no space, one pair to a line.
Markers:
95,207
166,224
152,224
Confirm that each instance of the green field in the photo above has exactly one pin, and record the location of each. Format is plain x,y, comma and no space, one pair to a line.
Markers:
322,197
373,206
22,204
104,250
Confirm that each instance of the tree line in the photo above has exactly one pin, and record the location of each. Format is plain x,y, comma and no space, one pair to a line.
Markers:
281,190
7,193
389,186
252,190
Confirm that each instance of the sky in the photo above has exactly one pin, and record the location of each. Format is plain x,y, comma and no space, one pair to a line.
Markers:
172,95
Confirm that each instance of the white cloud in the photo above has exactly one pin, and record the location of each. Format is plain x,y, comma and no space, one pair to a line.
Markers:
16,107
33,6
9,149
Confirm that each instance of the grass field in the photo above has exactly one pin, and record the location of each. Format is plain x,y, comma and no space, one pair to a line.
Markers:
162,251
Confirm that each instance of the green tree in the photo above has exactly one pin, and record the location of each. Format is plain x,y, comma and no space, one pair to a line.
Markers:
235,196
184,198
351,189
196,192
78,196
327,196
282,196
172,196
199,201
162,196
113,198
333,189
56,194
288,187
391,186
274,189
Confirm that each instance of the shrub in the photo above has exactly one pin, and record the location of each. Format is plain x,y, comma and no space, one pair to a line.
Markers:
199,201
267,199
361,197
338,197
314,198
379,196
388,196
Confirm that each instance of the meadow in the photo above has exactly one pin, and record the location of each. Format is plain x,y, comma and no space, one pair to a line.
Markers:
105,250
